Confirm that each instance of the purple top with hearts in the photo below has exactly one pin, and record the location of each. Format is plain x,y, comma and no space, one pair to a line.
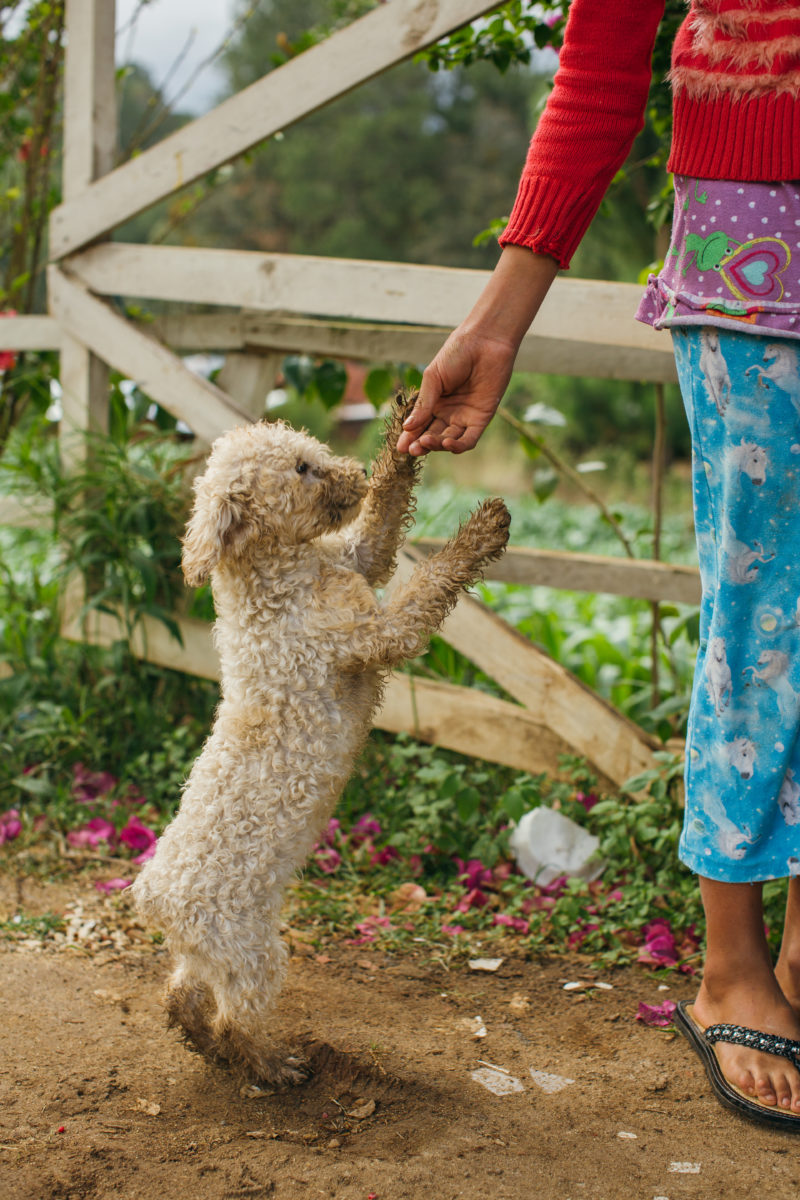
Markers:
734,259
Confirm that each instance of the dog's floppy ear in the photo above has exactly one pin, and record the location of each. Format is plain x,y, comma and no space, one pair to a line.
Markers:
217,524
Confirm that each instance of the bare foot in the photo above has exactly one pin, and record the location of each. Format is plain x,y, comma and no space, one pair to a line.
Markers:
767,1078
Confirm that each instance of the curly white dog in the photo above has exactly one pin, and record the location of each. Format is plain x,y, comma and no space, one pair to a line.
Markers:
294,540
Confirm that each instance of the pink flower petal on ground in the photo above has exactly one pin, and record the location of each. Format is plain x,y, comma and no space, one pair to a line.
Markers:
473,899
453,930
10,825
517,923
328,859
579,935
137,836
88,785
112,885
659,947
473,873
331,832
383,856
365,828
92,833
659,1015
368,930
556,888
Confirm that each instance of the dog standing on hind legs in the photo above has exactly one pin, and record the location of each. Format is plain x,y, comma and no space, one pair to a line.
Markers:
295,540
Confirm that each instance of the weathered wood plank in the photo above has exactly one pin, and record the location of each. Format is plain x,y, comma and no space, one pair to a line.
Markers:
90,104
643,579
248,378
29,333
593,312
364,49
419,344
260,332
205,408
471,723
90,131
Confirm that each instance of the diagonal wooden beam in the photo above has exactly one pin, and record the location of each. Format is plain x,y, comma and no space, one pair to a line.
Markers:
383,37
161,374
552,696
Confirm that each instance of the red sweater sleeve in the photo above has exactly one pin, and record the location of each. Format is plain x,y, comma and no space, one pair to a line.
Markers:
589,124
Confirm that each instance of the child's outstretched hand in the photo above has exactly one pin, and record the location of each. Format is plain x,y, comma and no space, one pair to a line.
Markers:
459,394
464,384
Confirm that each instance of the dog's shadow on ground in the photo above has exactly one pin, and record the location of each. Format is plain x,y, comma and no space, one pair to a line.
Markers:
346,1096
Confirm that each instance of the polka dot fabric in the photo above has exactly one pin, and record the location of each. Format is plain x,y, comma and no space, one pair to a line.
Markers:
734,259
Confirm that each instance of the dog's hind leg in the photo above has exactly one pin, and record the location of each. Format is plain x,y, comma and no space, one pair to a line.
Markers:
191,1007
224,1007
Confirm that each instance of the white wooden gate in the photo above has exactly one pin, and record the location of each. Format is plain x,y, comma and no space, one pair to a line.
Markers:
264,302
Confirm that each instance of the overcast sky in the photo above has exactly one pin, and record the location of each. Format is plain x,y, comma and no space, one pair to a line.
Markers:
161,33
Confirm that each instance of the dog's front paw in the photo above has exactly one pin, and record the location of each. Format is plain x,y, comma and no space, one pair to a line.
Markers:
487,530
402,406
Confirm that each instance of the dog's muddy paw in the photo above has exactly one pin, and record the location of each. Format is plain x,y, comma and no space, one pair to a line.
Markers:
487,529
286,1072
404,401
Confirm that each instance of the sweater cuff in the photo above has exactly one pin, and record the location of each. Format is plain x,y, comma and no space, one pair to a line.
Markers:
549,218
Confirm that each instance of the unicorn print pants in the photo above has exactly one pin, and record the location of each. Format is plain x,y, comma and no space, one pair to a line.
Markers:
742,397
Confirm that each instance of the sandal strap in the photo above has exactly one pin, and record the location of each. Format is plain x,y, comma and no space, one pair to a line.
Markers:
740,1035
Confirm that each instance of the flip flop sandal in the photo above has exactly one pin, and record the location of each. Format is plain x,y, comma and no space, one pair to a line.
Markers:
703,1040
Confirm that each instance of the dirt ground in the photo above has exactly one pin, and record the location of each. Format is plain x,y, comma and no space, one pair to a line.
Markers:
101,1102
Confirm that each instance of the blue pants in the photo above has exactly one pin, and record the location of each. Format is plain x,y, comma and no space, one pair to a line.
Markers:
742,398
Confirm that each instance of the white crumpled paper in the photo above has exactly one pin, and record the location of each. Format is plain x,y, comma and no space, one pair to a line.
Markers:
546,845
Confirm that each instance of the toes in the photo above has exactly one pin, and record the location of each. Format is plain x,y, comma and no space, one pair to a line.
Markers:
765,1089
783,1091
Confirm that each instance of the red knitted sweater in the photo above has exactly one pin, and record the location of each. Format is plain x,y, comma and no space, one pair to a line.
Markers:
736,103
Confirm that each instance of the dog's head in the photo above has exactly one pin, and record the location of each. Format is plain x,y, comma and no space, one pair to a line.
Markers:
264,486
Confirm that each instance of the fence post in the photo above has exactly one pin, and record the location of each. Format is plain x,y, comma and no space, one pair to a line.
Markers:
90,136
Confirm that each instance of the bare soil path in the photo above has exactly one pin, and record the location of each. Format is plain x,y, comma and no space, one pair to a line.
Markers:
99,1101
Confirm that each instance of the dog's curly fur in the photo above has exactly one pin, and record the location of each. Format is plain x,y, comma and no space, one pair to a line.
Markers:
295,540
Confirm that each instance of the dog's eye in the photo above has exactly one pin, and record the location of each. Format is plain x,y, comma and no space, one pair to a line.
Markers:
301,468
